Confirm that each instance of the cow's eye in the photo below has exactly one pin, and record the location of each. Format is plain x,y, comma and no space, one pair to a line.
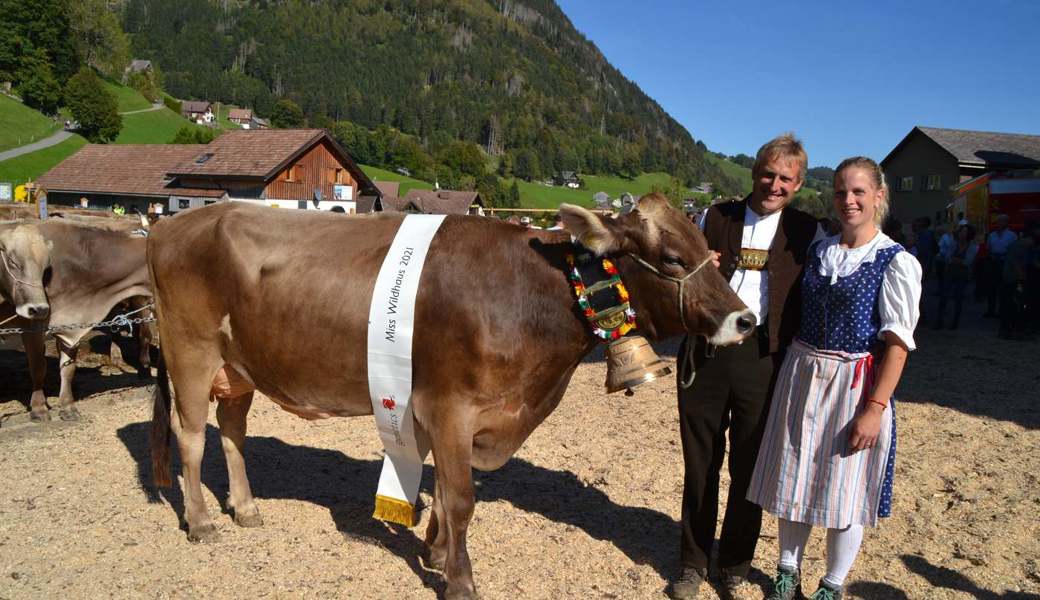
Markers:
672,260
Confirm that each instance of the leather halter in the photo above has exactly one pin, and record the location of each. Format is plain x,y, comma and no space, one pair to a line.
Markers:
680,280
3,259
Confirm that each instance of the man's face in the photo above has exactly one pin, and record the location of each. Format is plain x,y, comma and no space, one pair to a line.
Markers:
776,183
1002,223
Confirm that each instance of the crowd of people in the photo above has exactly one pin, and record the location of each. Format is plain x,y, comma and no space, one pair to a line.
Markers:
1000,267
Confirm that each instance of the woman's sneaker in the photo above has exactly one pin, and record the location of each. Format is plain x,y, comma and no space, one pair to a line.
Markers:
826,592
787,585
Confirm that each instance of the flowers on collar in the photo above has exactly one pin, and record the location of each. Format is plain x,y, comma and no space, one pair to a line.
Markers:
612,322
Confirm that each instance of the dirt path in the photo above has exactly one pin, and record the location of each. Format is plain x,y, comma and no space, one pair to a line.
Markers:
587,509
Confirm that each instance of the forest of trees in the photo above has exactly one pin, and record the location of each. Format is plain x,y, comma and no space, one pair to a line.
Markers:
511,77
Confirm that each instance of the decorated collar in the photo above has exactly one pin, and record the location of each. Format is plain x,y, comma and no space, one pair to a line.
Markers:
601,294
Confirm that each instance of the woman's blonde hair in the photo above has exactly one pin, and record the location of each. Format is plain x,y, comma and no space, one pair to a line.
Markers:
871,167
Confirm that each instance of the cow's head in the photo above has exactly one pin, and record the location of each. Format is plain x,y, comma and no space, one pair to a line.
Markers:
25,257
666,265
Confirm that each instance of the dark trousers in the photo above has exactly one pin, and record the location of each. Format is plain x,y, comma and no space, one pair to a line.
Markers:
995,273
732,391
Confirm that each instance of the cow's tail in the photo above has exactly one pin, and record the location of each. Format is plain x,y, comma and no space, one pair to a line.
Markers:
161,427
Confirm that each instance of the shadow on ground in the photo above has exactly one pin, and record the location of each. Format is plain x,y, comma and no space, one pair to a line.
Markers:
345,486
942,577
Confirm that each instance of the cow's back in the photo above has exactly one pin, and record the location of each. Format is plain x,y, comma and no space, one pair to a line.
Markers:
285,296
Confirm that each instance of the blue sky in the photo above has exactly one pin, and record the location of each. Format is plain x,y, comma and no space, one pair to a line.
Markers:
847,77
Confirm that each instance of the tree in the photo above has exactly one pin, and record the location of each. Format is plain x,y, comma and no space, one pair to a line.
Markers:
463,157
93,106
98,37
193,134
286,114
38,87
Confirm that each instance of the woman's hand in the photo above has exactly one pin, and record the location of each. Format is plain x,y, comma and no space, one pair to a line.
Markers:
865,428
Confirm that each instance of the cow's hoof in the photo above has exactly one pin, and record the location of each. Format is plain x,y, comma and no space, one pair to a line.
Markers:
69,414
460,593
203,534
40,417
249,520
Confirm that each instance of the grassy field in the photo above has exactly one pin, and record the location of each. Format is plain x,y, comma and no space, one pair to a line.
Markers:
20,125
407,183
155,127
536,195
30,166
737,172
127,98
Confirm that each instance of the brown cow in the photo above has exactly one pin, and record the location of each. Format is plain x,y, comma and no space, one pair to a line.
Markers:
282,297
25,257
91,270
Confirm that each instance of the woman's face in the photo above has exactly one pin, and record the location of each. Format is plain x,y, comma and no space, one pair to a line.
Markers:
856,197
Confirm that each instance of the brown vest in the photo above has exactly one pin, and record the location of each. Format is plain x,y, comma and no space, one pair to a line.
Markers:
724,229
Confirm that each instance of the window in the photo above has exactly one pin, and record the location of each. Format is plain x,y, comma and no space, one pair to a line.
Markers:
933,182
906,184
293,173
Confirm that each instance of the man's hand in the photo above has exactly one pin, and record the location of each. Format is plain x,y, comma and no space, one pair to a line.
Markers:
866,427
715,258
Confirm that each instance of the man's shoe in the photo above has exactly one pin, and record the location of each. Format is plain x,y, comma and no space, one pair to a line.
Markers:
689,583
826,592
787,585
737,587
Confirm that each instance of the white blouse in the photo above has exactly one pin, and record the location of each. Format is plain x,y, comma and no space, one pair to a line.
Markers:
900,296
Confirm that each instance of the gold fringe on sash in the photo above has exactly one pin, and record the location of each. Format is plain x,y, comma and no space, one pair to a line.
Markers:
395,511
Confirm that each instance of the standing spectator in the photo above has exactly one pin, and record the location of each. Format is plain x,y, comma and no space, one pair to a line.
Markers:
924,241
959,263
1018,259
83,202
998,242
946,242
1032,284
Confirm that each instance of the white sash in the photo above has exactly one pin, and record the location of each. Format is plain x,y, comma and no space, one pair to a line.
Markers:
390,325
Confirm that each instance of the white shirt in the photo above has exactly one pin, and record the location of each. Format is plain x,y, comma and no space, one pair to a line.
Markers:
999,242
751,286
899,299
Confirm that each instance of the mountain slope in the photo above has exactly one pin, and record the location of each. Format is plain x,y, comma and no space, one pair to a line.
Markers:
513,76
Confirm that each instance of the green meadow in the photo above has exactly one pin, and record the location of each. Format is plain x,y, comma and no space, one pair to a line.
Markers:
20,125
30,166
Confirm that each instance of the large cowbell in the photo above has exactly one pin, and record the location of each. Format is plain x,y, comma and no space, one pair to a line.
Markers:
630,362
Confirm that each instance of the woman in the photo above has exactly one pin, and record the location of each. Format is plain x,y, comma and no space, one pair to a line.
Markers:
828,453
959,259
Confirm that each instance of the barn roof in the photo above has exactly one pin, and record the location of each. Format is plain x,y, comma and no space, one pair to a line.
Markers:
126,169
262,154
195,106
443,202
389,188
981,148
243,114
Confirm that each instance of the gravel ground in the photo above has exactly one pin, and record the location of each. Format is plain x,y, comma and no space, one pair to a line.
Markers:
588,508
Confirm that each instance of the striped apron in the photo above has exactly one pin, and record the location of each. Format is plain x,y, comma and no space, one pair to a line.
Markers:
805,471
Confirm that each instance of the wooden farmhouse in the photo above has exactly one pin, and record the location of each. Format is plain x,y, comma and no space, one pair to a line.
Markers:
285,168
198,111
926,167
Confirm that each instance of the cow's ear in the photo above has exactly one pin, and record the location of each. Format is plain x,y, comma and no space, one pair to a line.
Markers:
590,229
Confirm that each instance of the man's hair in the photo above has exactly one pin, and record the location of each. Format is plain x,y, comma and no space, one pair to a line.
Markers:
785,147
878,177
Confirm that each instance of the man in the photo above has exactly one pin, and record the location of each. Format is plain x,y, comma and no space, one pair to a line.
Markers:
998,242
762,246
1016,265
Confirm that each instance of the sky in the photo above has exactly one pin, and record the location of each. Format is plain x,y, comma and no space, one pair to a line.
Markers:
848,78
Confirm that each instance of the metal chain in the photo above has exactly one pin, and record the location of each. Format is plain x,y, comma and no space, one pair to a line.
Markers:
115,322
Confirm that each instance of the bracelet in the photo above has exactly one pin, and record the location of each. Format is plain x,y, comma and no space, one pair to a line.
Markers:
878,402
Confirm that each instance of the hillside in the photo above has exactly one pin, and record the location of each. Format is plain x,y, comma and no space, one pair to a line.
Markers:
20,125
513,76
